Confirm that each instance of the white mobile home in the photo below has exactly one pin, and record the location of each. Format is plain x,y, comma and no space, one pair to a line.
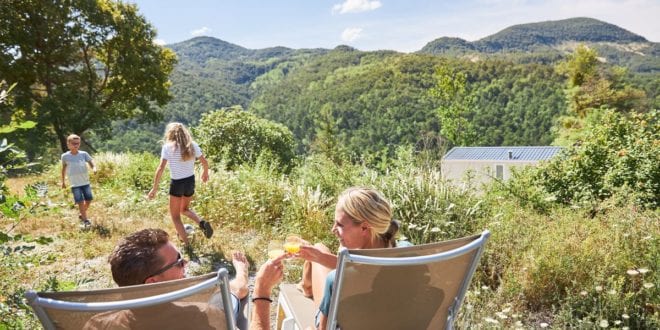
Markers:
486,163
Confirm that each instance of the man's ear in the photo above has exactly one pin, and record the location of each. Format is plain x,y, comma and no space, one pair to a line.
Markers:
150,280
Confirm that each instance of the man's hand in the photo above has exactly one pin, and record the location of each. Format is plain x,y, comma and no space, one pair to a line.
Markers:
269,275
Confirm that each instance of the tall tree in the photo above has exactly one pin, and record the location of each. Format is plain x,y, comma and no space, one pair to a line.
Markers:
79,65
590,87
456,105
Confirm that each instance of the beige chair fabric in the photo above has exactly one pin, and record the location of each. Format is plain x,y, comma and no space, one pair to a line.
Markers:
417,296
200,306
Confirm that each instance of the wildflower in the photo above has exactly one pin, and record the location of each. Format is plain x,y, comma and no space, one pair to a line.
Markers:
543,325
648,285
584,293
501,315
604,324
625,328
643,270
506,310
617,322
625,316
612,292
599,288
435,229
485,288
632,272
519,324
491,320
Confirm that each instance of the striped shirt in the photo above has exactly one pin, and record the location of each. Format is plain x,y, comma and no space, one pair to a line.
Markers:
179,169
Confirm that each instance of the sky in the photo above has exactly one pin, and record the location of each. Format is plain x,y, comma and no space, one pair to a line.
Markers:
401,25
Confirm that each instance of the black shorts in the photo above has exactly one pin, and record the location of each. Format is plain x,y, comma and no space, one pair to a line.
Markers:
183,187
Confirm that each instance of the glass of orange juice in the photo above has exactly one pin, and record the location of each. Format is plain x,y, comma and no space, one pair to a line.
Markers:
292,243
275,249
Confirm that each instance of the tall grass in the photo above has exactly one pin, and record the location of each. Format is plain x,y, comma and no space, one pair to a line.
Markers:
546,265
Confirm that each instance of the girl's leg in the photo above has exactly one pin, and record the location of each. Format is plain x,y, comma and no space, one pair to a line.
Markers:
318,276
175,213
187,211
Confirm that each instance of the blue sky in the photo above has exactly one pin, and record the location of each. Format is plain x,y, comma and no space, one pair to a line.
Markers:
402,25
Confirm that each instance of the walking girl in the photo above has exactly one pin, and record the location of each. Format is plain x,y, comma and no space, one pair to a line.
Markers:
181,152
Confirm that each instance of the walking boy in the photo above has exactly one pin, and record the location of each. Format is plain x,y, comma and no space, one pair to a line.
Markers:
74,164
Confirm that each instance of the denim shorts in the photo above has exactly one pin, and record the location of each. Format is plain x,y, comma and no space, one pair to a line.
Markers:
183,187
82,193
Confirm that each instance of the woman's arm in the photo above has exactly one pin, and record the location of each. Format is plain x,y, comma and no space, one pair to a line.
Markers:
314,254
159,173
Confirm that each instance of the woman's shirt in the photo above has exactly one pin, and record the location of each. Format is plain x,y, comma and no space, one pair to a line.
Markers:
179,169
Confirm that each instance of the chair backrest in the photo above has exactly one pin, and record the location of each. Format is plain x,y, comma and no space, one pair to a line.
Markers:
194,303
416,287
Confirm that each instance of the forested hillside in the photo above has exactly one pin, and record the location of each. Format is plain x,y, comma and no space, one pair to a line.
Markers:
372,102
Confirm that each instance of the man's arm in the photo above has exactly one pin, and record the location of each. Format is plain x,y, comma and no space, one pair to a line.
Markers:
269,275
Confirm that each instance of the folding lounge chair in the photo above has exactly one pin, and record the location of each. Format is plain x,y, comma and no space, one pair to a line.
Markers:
416,287
191,303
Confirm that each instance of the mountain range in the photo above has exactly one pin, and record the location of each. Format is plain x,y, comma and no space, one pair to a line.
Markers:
212,73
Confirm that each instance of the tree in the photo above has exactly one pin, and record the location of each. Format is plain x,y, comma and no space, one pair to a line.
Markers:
456,105
79,65
590,88
234,136
327,141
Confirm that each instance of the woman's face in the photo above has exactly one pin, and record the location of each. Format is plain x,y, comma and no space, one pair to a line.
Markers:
350,234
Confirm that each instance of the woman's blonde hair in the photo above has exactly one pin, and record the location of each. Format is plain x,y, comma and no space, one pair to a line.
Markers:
368,205
180,136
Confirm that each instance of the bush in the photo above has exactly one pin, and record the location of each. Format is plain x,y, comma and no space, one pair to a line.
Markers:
619,157
233,137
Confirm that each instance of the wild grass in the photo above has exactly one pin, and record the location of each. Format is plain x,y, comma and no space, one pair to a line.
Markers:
550,266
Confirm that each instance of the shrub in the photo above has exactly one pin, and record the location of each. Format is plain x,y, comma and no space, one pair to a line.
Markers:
233,137
619,156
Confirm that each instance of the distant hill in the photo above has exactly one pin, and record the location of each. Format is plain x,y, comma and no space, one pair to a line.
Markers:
532,36
550,40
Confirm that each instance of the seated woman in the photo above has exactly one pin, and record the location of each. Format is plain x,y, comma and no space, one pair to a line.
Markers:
363,220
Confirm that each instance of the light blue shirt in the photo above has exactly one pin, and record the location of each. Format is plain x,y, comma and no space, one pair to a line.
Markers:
76,167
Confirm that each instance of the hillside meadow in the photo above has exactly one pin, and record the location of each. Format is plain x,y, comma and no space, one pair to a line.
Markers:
552,266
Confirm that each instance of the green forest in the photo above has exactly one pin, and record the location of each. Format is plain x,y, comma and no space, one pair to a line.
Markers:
575,241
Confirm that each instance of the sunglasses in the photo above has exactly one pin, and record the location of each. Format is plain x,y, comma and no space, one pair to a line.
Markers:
180,262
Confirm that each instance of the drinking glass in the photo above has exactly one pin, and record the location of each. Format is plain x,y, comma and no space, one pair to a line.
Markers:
275,249
292,243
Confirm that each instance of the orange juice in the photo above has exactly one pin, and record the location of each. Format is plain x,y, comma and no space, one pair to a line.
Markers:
292,247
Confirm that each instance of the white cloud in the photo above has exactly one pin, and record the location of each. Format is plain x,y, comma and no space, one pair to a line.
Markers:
159,42
355,6
200,32
351,34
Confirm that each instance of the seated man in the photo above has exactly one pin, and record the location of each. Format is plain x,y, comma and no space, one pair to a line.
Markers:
148,256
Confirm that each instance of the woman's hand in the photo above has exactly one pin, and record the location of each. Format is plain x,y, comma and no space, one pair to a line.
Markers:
309,252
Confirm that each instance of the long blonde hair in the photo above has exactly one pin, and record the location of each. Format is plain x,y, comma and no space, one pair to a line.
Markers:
178,134
368,205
